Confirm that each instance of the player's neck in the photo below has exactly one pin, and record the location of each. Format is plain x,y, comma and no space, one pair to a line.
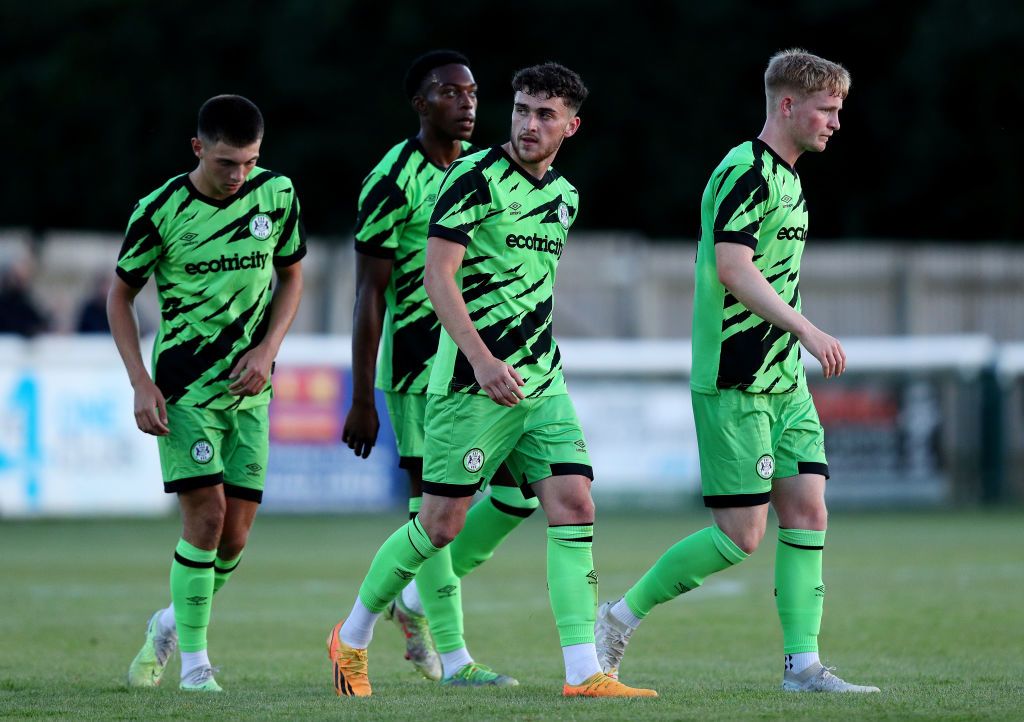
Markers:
538,170
779,141
440,150
200,183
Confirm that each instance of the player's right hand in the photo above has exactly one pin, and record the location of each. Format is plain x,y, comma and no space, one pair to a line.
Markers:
361,427
150,409
499,381
827,350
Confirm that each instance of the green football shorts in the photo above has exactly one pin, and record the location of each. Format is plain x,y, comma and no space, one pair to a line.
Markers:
468,436
208,447
747,440
407,412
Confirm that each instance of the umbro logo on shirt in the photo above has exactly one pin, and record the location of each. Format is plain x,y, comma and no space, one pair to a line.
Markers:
513,209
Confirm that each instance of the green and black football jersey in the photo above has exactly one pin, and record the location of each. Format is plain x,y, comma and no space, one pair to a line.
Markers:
394,212
514,228
213,261
754,198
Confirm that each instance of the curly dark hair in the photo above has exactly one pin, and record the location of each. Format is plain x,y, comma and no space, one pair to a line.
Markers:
422,65
230,118
551,80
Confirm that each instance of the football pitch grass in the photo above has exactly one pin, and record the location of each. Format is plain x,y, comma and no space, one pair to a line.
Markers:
928,606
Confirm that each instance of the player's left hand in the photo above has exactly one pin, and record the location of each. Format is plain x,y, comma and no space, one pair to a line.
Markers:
249,376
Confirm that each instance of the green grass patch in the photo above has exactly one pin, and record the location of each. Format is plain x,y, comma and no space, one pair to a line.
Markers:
927,606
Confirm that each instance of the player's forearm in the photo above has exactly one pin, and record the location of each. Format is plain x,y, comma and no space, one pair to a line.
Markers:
750,288
454,316
283,307
367,322
124,327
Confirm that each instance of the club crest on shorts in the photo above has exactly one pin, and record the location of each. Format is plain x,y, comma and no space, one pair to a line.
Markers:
261,226
202,451
473,460
563,215
766,467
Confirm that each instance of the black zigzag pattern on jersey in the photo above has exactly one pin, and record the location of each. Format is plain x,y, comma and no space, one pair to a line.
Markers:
550,211
288,228
141,238
470,190
478,285
467,192
408,282
142,235
384,197
744,352
504,338
413,346
749,190
180,366
237,228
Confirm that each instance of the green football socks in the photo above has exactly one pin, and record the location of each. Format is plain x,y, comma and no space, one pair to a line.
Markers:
799,590
192,592
488,524
222,569
682,568
395,565
441,595
572,582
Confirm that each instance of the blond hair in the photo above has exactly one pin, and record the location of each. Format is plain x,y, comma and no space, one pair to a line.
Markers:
799,71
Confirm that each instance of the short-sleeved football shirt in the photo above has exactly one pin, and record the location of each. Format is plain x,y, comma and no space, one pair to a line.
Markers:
514,228
213,261
394,211
754,198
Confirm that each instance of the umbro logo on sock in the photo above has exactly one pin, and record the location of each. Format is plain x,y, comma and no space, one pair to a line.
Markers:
447,591
592,577
404,575
196,601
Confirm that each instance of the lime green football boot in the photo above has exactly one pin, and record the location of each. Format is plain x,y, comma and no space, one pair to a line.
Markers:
479,675
147,669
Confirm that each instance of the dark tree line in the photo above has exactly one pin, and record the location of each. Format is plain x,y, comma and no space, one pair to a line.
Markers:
99,100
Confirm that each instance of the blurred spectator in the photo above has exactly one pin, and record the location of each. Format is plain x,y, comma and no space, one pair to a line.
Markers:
92,317
18,312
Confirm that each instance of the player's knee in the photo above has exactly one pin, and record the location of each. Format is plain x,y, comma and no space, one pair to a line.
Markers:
577,509
442,531
231,545
810,514
747,539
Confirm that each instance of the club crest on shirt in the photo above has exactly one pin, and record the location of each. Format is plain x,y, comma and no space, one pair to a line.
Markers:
563,215
766,467
202,451
473,460
261,226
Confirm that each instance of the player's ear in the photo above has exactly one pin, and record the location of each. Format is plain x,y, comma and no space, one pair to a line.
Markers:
419,104
197,147
574,125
